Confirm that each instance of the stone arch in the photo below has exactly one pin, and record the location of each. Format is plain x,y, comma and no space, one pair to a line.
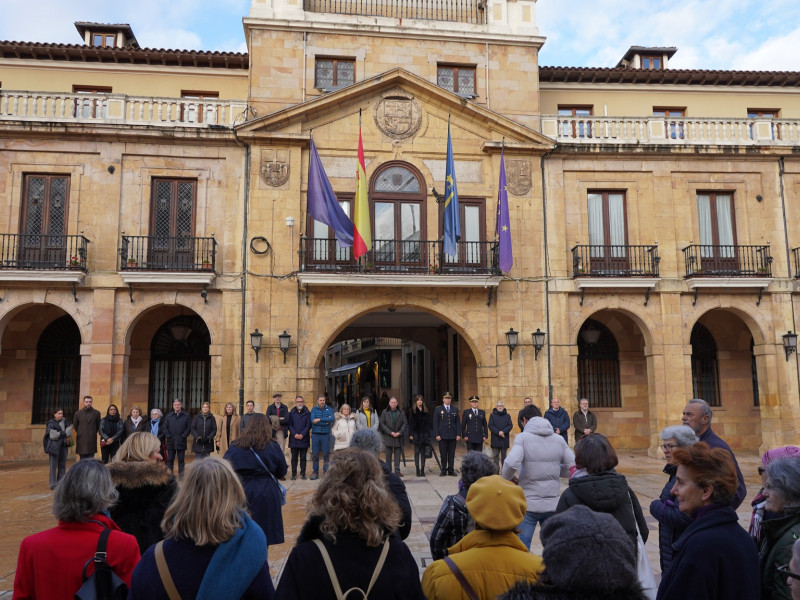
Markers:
643,322
71,308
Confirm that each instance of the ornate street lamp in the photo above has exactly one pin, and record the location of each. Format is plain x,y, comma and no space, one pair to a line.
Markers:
538,342
255,342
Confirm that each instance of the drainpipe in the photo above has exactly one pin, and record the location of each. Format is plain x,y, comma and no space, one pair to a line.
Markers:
546,278
244,272
781,172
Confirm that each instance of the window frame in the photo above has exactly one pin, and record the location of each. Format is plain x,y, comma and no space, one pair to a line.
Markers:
763,114
335,85
463,260
577,129
652,58
199,96
109,40
673,130
87,108
456,67
333,253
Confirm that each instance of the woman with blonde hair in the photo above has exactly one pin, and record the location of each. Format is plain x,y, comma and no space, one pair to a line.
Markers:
259,462
343,428
351,519
207,532
228,428
145,486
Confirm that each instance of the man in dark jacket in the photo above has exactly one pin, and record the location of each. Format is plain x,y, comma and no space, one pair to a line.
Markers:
473,426
697,415
299,441
87,424
177,427
447,431
249,411
500,426
278,414
558,418
584,421
392,425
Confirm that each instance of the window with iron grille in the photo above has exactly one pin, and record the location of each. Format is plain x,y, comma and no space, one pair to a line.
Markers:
598,366
172,220
180,364
58,370
705,370
44,214
457,78
333,73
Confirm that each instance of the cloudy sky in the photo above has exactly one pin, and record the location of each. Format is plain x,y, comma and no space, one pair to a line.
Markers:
709,34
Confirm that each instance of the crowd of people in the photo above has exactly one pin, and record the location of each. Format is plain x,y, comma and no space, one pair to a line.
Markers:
206,533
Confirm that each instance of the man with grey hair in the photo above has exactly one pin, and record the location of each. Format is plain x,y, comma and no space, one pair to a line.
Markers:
370,441
454,522
697,415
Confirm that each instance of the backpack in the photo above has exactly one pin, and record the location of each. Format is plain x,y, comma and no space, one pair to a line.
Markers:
103,584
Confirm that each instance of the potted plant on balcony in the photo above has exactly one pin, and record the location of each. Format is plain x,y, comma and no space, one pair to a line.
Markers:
74,261
206,264
131,263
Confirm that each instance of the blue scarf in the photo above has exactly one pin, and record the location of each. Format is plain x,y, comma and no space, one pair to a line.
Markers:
235,563
154,427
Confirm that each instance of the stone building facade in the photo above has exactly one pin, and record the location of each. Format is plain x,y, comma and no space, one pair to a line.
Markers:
153,216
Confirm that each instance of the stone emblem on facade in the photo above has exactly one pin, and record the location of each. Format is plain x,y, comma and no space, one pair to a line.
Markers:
518,177
275,166
398,115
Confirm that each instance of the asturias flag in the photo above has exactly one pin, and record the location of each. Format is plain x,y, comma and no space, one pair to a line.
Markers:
322,203
505,253
452,219
362,234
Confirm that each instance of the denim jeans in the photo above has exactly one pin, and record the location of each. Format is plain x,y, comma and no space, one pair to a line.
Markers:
529,526
320,443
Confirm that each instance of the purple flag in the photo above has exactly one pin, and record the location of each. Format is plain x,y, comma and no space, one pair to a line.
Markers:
503,232
322,203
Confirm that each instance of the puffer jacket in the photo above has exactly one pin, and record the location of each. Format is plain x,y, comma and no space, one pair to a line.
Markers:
778,535
343,430
491,561
671,521
541,457
607,492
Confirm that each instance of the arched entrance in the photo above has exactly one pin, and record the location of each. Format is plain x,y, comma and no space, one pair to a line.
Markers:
58,370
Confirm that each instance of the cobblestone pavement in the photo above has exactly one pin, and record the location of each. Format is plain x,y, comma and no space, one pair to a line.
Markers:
26,501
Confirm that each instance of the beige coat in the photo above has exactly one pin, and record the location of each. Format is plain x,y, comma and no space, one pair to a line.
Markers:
343,430
221,439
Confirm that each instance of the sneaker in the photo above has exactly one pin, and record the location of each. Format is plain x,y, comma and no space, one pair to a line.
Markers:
294,477
314,476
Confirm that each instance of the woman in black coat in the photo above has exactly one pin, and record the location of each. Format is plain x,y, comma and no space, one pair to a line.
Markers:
259,462
134,422
56,445
352,516
500,423
419,430
204,430
111,430
145,487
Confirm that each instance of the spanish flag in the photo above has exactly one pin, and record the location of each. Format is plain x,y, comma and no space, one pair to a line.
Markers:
362,234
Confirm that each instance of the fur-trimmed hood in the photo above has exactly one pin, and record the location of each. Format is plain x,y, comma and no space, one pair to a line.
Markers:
139,474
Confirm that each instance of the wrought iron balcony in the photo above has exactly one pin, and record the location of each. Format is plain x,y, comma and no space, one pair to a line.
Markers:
41,252
407,257
727,261
615,261
458,11
157,253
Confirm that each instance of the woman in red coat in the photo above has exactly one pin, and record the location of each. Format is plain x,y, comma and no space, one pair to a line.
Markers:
50,563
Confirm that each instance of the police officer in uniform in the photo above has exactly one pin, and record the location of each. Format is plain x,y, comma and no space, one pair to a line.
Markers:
474,429
447,430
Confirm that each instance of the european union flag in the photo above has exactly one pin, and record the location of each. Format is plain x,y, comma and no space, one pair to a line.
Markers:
322,203
505,254
452,219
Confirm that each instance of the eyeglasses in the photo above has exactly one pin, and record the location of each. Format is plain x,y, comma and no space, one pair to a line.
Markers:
761,470
784,570
670,447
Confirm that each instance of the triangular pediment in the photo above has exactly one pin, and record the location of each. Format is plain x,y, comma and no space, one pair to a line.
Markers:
399,107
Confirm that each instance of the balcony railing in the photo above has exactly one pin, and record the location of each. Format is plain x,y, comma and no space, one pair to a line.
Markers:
672,130
154,253
615,261
727,261
40,252
119,109
399,256
457,11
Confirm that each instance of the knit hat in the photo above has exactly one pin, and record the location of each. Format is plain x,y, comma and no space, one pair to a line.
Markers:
776,453
586,550
496,504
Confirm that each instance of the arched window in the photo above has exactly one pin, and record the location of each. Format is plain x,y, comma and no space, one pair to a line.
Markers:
58,370
179,364
705,371
398,208
598,365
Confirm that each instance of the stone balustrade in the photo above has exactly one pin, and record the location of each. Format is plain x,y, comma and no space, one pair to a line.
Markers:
671,130
119,109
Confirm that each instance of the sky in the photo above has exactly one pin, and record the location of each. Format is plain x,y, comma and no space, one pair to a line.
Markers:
709,34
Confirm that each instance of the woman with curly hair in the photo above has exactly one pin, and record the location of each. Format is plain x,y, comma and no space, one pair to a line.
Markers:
351,519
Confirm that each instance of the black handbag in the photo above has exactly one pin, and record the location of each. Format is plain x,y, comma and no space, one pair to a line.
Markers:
428,451
103,584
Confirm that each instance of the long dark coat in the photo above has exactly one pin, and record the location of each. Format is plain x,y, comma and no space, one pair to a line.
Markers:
419,427
474,426
392,422
671,521
145,490
56,447
87,424
128,427
500,421
299,423
262,491
177,427
204,430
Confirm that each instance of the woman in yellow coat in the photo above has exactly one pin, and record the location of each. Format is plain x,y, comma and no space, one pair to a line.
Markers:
491,558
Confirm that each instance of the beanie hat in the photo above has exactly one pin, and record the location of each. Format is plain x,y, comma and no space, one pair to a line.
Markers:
586,550
496,504
776,453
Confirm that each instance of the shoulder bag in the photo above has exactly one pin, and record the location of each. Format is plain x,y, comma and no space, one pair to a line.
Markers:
103,584
280,487
468,590
337,588
163,572
643,567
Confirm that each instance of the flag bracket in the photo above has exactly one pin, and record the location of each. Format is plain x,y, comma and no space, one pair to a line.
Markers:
491,293
439,197
583,293
647,296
